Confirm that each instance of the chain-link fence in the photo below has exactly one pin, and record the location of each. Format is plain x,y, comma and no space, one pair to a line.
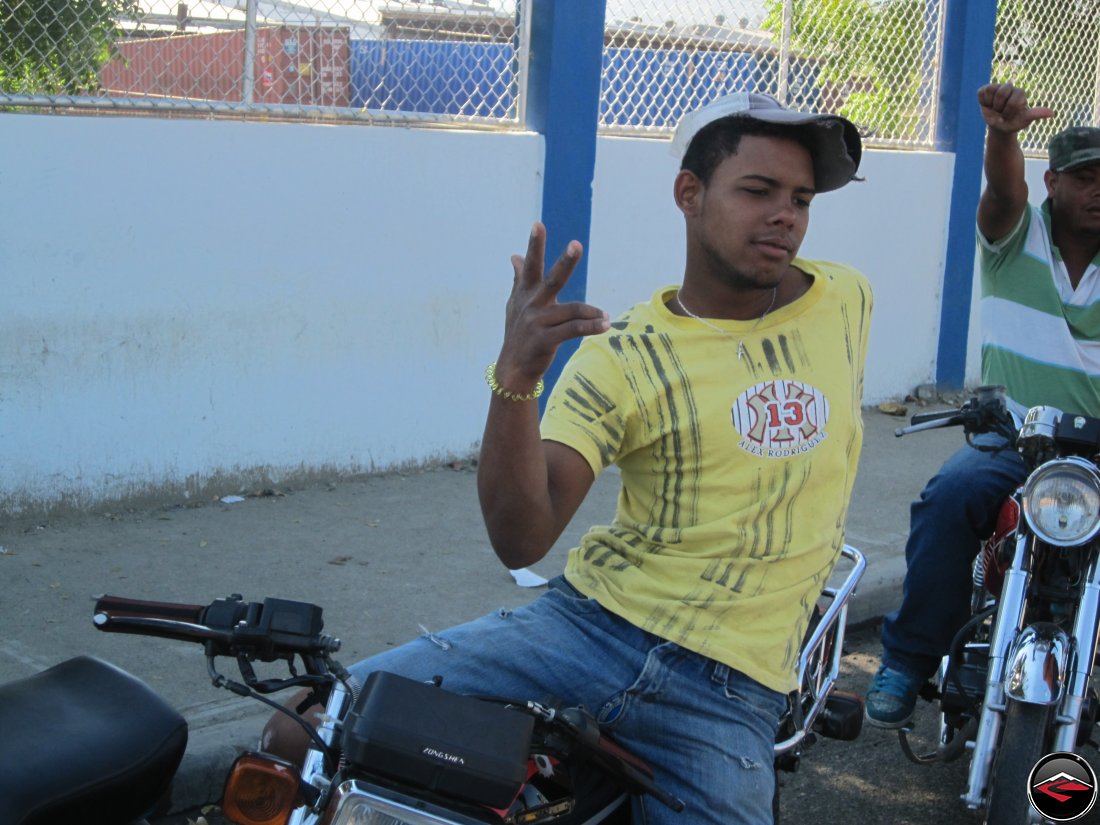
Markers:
1051,49
873,61
375,60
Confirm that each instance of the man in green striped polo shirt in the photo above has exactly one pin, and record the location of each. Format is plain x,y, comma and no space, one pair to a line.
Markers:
1040,339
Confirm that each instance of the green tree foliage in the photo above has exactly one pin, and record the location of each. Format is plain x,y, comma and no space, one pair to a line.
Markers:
873,58
1049,48
56,47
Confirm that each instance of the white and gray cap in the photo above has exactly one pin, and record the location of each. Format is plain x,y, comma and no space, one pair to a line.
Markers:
838,145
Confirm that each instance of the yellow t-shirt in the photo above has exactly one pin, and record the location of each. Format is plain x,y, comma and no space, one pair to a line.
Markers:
736,472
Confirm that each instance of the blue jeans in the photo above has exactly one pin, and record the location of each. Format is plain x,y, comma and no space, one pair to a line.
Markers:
956,511
707,731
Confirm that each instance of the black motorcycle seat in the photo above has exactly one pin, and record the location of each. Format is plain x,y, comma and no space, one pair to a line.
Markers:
85,742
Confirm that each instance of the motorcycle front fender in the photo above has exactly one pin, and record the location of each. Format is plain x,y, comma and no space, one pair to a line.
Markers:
1038,662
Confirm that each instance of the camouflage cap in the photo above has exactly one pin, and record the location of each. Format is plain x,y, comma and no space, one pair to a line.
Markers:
1073,147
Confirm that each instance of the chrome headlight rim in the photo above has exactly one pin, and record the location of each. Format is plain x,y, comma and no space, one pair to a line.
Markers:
1082,470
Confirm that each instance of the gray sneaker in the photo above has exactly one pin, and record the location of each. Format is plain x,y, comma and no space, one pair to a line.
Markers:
892,698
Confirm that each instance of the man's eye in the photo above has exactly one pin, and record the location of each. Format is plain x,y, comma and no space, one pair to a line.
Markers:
802,203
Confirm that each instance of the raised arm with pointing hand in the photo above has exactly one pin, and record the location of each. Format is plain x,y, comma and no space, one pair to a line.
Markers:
1006,112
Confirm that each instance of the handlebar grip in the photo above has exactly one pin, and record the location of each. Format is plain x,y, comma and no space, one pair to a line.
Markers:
116,607
166,620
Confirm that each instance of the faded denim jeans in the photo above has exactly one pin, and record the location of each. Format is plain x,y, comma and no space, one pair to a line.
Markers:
707,731
957,510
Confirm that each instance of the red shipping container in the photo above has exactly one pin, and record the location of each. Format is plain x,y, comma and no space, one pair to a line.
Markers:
294,65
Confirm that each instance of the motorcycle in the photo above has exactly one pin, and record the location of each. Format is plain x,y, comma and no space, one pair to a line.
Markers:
389,752
1015,685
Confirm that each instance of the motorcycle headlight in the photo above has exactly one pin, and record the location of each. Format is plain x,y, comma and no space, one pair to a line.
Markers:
366,813
1062,502
356,804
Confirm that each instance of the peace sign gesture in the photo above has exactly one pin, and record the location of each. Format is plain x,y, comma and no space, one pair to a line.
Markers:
535,323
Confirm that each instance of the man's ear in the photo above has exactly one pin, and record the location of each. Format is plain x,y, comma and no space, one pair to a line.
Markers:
688,190
1049,176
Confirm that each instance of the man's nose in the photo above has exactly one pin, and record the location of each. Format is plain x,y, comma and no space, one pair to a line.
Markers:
785,214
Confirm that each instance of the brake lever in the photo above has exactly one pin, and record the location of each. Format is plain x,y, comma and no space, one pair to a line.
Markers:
180,631
951,419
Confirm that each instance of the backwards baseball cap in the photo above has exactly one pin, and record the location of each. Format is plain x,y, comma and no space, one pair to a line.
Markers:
1073,147
837,146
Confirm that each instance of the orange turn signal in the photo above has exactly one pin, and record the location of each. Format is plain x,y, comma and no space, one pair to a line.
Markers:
261,790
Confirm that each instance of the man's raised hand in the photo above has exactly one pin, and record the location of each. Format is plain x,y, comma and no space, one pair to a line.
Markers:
535,323
1005,108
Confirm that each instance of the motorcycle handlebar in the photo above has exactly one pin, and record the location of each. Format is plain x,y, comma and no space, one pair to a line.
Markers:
931,421
268,630
986,411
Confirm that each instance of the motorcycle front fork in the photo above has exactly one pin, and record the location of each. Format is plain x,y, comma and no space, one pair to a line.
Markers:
1008,624
313,768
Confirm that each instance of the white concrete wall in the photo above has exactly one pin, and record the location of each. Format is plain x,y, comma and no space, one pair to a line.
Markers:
188,306
189,300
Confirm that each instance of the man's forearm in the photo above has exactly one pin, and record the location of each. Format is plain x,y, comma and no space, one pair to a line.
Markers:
1004,164
1005,196
513,484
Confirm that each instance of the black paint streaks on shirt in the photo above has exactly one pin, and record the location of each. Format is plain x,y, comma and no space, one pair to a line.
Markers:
770,356
804,477
655,372
784,347
584,399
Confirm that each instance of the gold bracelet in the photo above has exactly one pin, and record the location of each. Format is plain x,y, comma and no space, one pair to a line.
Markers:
491,380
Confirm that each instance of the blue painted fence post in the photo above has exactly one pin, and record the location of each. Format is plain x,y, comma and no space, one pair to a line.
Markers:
563,105
967,62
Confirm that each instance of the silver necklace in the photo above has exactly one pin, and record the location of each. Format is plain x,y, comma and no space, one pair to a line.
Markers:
705,322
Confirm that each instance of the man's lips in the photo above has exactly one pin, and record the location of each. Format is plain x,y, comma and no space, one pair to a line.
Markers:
773,247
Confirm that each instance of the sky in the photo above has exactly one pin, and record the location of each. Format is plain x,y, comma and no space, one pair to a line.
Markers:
687,11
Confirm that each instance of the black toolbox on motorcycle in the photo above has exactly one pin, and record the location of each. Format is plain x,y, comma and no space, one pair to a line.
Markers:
423,735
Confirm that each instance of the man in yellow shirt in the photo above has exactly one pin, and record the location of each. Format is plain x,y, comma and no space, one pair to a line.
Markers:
731,404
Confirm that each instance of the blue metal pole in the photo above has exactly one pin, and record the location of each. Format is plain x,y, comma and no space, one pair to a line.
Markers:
563,104
967,62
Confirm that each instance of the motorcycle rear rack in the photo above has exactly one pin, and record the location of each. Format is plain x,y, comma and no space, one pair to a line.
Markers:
816,676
